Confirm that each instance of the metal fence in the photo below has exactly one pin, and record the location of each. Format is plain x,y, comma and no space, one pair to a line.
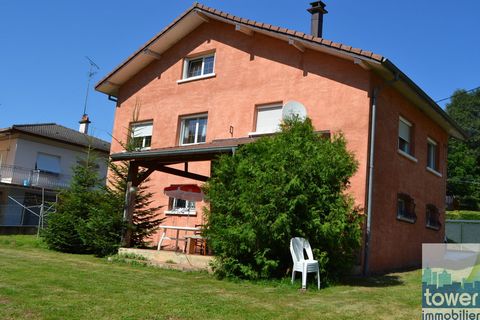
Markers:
463,231
36,178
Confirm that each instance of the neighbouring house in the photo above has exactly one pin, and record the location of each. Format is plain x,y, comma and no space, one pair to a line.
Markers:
211,81
36,161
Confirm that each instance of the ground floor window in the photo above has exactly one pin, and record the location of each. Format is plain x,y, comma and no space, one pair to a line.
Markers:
179,206
406,208
432,217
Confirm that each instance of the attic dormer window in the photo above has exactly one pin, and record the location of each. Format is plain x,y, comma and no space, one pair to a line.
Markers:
199,67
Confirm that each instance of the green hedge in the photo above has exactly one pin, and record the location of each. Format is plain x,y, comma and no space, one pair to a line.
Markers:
293,184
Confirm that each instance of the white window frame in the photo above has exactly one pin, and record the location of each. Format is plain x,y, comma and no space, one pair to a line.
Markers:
264,107
434,165
186,64
187,210
138,124
182,128
409,124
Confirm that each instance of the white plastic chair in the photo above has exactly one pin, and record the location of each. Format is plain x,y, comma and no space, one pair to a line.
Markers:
297,245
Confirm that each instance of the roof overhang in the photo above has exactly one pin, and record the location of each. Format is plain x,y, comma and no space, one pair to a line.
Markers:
196,16
182,154
199,14
388,71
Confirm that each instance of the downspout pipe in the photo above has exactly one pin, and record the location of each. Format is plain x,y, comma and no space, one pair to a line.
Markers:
371,166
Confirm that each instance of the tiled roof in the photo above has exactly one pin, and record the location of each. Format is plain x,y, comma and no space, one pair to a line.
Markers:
373,60
63,134
252,23
291,33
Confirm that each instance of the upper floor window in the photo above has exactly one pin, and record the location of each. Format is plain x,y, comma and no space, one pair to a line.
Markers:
48,163
199,66
268,119
432,154
406,208
405,136
193,129
432,217
141,135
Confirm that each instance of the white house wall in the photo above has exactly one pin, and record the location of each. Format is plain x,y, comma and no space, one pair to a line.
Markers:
27,151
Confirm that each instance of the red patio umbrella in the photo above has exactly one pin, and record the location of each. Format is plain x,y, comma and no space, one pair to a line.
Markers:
189,192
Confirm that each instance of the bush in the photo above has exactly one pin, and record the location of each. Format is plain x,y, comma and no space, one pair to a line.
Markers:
87,217
287,185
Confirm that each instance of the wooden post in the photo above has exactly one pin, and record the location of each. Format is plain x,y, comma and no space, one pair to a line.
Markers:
130,196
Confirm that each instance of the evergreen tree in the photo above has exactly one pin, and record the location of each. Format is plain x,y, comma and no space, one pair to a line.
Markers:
464,156
70,228
145,216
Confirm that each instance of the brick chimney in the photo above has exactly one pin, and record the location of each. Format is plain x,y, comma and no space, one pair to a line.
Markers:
84,124
317,10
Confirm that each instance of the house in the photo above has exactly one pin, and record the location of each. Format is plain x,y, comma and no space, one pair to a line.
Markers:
210,82
36,161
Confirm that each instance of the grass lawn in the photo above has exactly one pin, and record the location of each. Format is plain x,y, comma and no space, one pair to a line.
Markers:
463,215
36,283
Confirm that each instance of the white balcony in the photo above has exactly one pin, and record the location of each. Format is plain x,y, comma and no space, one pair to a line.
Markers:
35,178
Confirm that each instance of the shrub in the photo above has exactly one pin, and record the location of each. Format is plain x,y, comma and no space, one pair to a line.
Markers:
278,187
87,218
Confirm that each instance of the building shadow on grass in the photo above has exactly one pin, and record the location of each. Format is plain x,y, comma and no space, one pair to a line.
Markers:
379,281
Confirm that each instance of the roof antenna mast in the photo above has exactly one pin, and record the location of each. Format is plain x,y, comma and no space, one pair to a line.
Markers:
91,72
85,121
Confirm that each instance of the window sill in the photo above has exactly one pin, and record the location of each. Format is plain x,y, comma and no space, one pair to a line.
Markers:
433,171
190,144
180,213
258,134
405,219
435,228
205,76
406,155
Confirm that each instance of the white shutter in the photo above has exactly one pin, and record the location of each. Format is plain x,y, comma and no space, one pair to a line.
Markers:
269,119
49,163
404,130
142,130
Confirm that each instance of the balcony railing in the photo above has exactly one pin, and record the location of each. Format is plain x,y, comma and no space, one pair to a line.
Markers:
35,178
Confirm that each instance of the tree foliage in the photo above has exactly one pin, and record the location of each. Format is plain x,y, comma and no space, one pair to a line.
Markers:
87,219
145,215
464,156
293,184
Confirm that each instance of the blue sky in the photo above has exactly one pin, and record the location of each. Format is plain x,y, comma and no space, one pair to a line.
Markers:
43,44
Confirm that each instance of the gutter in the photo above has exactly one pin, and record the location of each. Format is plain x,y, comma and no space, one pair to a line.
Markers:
153,154
390,66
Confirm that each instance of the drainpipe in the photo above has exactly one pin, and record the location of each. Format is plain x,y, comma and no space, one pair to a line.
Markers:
371,165
373,118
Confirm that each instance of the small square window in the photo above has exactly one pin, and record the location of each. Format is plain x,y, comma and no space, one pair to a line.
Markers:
406,208
200,66
141,135
432,154
405,136
193,129
432,217
268,119
179,206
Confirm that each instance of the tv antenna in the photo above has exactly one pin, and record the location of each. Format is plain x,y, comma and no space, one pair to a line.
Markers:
91,72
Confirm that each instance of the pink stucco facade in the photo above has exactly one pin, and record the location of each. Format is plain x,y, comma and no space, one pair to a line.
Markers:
255,70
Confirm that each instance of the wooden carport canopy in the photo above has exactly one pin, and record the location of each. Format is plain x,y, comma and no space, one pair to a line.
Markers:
160,159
